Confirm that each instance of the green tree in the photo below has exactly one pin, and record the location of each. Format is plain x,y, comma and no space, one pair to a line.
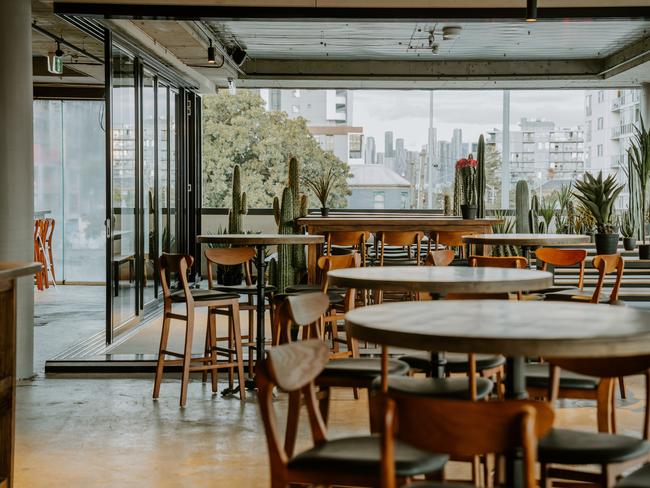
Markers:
238,130
493,175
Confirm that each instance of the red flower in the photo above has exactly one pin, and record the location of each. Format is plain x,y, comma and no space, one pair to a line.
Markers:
462,163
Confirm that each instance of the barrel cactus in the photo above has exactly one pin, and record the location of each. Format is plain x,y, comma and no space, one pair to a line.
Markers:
522,208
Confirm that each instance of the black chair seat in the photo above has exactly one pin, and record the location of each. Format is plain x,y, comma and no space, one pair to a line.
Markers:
362,368
363,455
454,362
537,376
564,446
639,479
457,388
203,295
311,288
243,289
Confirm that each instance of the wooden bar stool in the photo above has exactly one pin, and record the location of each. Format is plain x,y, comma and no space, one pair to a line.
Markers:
193,298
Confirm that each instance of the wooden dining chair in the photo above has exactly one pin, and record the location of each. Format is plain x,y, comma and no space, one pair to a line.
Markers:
191,299
462,430
612,453
239,256
562,258
355,240
517,262
301,316
348,461
404,239
440,257
450,239
49,236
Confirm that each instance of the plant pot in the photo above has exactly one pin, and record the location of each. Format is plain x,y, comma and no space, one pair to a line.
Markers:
644,251
230,275
469,211
606,243
629,243
324,211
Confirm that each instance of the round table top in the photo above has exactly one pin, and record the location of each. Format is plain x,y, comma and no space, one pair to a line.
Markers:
527,239
441,279
509,327
261,239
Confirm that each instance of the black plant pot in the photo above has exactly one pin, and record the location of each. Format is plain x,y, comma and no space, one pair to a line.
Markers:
644,251
230,275
324,211
629,243
606,243
468,211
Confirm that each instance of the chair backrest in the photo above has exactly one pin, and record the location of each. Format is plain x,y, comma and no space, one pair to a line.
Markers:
178,264
329,263
562,258
345,238
293,368
303,310
464,429
450,238
400,238
440,257
605,264
222,256
498,261
49,230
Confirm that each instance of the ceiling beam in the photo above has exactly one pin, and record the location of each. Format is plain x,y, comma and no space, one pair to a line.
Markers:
627,58
165,10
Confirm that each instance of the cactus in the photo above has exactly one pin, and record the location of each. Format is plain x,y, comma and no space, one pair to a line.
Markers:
533,215
570,218
292,262
458,193
522,208
446,204
480,177
238,208
273,272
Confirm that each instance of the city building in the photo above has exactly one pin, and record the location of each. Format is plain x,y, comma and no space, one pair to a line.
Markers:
377,187
370,156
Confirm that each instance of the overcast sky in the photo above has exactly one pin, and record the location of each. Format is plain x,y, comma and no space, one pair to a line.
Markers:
406,113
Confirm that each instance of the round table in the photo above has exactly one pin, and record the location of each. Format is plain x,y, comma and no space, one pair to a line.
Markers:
441,279
260,241
516,329
527,241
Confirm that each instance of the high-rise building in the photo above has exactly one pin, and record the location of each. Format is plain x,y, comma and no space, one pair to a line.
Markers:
400,157
371,151
389,151
456,150
329,116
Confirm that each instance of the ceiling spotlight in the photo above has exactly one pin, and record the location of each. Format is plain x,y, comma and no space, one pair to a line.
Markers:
451,32
238,55
531,11
58,53
434,49
211,54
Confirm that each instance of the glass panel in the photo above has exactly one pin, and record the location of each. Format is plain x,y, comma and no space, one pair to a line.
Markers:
148,185
172,172
163,167
48,172
84,191
124,186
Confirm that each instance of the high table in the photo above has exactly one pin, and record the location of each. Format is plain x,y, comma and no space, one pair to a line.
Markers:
402,221
441,280
527,241
517,329
260,241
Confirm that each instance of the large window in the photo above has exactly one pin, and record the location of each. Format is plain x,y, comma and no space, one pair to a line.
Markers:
69,184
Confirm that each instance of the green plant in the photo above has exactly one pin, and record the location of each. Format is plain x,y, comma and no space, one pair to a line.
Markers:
238,208
446,205
507,227
547,212
639,175
533,215
322,186
628,224
522,207
458,192
598,195
466,168
480,177
584,221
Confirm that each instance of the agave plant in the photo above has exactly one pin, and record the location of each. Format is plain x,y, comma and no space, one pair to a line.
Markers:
547,211
628,224
506,227
639,170
322,186
598,196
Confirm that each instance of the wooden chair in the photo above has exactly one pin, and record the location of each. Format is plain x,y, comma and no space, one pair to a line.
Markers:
450,239
353,239
462,430
518,262
192,298
561,258
440,257
638,479
605,264
49,234
400,239
349,461
614,454
239,256
306,311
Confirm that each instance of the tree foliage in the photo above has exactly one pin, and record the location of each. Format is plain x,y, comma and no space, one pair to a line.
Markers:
238,130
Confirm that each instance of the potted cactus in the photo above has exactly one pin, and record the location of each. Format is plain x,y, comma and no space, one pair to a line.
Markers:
628,230
598,195
639,176
466,168
321,186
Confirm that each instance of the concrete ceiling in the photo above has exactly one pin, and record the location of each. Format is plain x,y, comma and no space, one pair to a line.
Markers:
354,43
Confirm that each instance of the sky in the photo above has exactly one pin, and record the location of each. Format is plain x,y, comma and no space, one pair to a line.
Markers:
406,112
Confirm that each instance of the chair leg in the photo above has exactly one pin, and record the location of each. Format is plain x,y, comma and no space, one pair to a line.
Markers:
187,356
621,387
251,338
236,330
231,369
212,345
160,365
206,348
324,393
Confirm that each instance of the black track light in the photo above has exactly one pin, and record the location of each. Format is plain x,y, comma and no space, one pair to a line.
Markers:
58,53
211,54
238,55
531,11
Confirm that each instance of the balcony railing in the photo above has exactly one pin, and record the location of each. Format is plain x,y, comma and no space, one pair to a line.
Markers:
622,130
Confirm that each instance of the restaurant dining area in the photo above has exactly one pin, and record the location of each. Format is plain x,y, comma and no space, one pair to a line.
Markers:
304,243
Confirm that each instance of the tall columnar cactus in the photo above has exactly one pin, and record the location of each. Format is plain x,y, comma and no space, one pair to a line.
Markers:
446,205
458,192
522,208
570,217
287,212
238,208
533,215
480,177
